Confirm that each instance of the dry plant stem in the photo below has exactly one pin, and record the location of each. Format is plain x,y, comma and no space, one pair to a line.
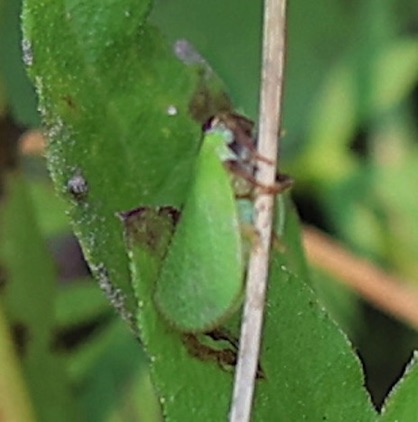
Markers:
270,111
382,290
33,143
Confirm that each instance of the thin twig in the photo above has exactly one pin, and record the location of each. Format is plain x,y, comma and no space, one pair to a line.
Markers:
270,112
384,291
32,142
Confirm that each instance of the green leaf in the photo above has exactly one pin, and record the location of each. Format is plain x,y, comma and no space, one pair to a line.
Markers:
123,119
340,97
171,360
307,369
19,92
201,279
310,368
401,404
79,302
28,299
233,49
398,207
49,208
287,226
15,403
104,369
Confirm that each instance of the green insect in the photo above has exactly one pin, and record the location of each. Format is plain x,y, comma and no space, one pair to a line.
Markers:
200,282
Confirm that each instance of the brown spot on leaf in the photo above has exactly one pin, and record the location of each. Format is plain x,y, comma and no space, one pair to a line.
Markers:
149,225
225,358
70,102
207,101
222,349
224,334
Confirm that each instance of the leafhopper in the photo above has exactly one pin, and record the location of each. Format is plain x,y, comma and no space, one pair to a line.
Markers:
202,276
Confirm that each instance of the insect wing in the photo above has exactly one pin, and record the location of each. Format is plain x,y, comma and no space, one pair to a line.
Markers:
201,278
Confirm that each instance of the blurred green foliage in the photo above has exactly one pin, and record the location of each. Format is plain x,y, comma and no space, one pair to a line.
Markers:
18,92
350,141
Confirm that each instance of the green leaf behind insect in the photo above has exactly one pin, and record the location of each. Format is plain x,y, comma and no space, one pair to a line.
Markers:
120,111
171,352
307,370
